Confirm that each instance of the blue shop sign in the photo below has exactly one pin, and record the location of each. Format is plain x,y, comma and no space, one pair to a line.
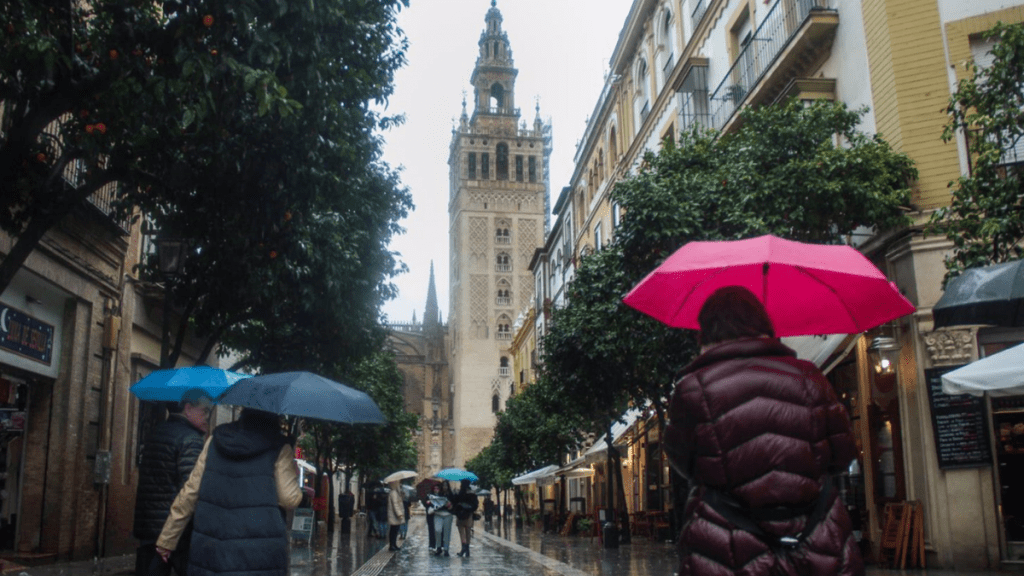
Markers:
25,335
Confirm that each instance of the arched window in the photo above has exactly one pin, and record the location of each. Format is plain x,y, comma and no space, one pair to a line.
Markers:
501,161
503,263
504,362
600,164
613,145
495,403
497,96
504,328
643,92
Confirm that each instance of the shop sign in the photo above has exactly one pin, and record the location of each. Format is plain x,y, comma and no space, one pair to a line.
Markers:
25,335
960,424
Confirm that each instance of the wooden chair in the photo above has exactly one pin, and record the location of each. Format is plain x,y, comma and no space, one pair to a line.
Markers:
641,524
659,525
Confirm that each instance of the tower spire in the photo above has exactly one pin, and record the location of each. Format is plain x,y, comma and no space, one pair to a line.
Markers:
430,313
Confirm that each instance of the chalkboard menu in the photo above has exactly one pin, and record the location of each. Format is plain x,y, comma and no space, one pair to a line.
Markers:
960,424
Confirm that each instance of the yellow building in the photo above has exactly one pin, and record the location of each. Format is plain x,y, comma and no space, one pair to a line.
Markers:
680,63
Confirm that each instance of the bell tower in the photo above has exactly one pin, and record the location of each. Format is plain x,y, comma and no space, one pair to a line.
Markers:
498,202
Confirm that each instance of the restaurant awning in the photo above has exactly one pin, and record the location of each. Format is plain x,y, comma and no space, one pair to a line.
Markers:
578,468
598,451
531,477
1000,374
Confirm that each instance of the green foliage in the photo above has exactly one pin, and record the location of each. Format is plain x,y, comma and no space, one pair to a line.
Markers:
242,127
780,173
537,426
985,218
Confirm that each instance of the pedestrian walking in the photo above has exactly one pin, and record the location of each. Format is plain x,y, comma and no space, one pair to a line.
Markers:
430,506
396,514
466,503
488,509
169,453
442,519
244,476
757,432
406,504
346,506
381,503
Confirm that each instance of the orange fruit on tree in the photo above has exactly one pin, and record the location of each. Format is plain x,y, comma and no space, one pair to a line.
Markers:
208,20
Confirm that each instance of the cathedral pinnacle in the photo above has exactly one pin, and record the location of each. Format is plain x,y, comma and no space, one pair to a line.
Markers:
430,313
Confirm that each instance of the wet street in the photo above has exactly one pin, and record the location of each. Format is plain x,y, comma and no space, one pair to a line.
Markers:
501,550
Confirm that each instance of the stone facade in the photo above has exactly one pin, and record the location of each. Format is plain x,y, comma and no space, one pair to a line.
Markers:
497,212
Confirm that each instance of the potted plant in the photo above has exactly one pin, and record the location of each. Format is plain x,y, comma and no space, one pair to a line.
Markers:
583,525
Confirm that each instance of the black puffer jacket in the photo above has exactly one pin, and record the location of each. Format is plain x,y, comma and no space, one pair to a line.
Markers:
168,456
238,526
751,423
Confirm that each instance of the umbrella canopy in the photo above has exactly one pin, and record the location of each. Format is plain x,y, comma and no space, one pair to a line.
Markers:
170,385
483,492
1000,374
806,288
423,487
399,476
304,394
456,475
986,295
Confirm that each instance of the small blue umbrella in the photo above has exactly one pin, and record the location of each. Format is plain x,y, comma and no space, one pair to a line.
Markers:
456,474
170,385
306,395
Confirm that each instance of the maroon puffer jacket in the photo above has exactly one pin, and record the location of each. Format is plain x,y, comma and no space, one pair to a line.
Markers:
751,421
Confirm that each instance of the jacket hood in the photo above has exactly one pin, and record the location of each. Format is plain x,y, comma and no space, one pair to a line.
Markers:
740,348
237,443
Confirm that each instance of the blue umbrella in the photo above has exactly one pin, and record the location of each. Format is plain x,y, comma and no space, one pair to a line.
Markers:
170,385
306,395
456,474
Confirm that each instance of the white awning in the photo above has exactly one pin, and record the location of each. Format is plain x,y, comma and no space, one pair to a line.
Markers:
1000,374
576,469
600,448
816,349
531,477
306,466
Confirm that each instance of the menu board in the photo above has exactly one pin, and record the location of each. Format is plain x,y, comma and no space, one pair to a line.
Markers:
960,424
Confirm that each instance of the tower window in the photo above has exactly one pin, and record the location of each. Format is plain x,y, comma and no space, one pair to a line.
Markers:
472,165
501,162
519,168
495,403
503,263
533,169
501,236
485,166
497,97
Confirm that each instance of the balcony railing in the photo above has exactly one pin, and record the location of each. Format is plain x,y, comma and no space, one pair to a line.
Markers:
778,28
504,336
496,111
504,301
502,267
502,240
694,110
505,372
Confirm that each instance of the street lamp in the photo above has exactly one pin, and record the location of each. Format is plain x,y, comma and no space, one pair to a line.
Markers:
171,258
885,353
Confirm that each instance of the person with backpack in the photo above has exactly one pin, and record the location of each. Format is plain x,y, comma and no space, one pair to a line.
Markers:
757,433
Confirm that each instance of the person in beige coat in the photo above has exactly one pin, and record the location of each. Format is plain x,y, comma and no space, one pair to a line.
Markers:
396,514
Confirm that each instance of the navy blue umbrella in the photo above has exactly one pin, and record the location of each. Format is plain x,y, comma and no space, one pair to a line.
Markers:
306,395
992,294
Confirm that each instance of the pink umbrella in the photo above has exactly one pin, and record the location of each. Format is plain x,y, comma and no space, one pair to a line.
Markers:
806,288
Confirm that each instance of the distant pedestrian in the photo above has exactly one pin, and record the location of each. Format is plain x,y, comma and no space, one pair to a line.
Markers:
406,504
245,475
466,503
488,509
382,511
756,432
429,506
346,506
442,519
396,514
169,453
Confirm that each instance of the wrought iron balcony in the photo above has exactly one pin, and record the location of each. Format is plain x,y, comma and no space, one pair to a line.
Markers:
793,38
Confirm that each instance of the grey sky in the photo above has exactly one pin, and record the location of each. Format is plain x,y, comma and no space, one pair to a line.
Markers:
561,48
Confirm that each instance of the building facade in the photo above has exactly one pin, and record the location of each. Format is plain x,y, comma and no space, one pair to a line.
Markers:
421,351
497,217
685,63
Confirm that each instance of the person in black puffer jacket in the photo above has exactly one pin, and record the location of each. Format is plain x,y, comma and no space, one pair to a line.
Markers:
242,480
168,456
465,505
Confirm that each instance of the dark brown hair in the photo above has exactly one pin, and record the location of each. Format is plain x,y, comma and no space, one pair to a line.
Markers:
733,312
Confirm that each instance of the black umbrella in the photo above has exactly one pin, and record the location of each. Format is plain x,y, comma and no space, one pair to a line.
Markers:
985,295
304,394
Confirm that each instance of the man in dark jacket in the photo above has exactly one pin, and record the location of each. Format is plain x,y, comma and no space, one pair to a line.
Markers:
168,455
245,475
757,432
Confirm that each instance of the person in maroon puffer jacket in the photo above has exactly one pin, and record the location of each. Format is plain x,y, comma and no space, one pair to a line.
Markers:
757,432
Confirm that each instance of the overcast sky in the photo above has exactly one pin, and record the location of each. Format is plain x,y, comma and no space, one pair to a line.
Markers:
561,49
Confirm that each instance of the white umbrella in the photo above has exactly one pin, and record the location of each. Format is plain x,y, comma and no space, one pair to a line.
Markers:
399,476
1000,374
